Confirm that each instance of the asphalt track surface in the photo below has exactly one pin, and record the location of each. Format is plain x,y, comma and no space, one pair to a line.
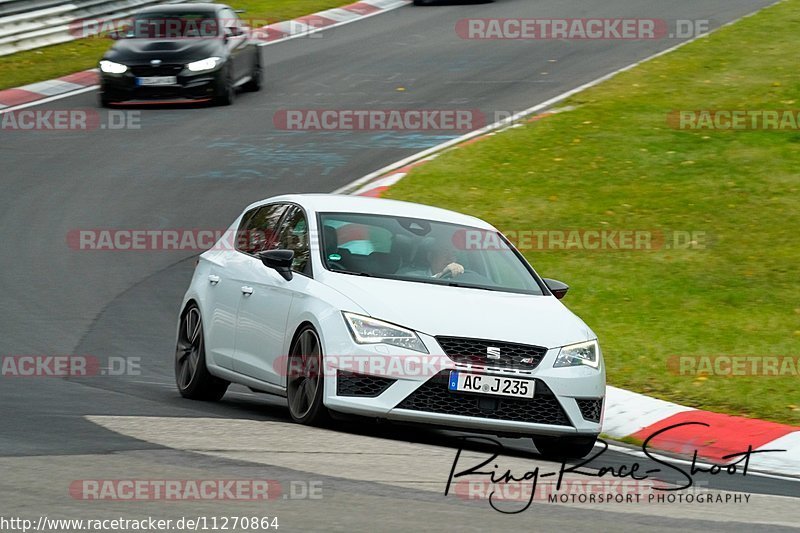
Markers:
197,168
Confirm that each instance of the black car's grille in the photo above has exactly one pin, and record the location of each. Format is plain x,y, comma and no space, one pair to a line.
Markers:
475,352
352,384
143,71
591,408
434,397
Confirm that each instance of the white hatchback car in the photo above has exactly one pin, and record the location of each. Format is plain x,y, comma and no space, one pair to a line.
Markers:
391,310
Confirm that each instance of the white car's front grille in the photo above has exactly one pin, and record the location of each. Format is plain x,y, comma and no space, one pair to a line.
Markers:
492,354
435,397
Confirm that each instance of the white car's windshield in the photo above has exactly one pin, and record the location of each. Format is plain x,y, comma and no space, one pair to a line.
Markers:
423,251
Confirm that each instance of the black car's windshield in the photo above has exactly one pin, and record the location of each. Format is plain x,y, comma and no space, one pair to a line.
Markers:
175,25
424,251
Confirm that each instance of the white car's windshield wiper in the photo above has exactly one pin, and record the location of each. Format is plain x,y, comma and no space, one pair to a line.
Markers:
364,274
463,286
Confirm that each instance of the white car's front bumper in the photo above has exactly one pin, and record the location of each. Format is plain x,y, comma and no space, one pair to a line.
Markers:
554,410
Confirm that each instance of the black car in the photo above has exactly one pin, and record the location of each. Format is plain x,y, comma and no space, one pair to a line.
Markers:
183,51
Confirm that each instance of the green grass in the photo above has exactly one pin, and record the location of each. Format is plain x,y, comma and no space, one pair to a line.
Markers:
627,440
50,62
613,162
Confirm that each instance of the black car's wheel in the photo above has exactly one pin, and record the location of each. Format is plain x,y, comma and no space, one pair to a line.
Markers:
564,447
256,78
191,374
227,91
305,383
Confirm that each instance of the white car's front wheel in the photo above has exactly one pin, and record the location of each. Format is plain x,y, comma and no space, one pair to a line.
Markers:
191,374
305,383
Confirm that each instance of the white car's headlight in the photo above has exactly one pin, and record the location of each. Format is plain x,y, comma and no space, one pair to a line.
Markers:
584,353
112,68
204,64
367,330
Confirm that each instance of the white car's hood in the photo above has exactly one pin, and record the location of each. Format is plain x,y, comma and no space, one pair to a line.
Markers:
460,312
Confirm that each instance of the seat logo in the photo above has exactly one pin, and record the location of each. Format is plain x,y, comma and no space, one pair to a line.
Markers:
492,352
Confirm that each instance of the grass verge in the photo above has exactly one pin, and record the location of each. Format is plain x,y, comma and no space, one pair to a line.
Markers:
614,163
51,62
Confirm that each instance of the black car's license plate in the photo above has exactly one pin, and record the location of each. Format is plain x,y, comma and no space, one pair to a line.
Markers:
156,81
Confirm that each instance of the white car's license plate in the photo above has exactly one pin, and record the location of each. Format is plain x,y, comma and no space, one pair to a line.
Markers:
496,385
157,80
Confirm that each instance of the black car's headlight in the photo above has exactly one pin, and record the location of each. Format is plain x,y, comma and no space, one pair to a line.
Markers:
204,64
110,67
584,353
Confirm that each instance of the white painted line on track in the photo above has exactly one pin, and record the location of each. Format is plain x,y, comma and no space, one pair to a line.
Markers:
395,462
49,99
508,122
665,458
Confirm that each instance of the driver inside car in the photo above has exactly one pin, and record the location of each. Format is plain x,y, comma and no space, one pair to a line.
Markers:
442,263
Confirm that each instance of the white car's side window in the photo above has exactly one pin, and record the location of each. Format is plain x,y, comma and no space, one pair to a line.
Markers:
294,236
259,228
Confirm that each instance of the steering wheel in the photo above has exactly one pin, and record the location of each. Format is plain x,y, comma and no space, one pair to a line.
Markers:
449,274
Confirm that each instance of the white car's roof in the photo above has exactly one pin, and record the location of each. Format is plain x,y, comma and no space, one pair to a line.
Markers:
341,203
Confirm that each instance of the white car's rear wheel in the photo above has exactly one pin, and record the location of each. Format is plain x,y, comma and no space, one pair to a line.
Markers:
305,383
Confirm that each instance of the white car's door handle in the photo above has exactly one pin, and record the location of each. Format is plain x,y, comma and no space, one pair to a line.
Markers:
213,279
247,291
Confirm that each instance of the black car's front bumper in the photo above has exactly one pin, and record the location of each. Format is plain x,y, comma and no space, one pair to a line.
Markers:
190,85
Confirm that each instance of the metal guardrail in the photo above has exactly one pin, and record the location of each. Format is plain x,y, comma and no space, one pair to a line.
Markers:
29,24
15,7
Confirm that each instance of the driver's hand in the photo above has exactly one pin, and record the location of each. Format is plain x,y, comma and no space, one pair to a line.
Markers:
454,269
